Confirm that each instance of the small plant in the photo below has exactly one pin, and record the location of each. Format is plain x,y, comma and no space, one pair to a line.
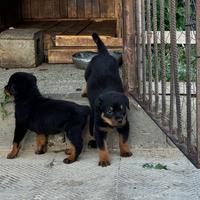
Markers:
155,166
4,99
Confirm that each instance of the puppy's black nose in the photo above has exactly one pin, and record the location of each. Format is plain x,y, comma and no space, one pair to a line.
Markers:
120,120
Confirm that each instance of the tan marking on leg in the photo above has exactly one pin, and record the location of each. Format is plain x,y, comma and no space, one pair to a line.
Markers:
72,155
68,151
14,151
124,149
41,141
104,157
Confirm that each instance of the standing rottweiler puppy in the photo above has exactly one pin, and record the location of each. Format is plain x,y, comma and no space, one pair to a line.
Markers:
108,102
44,116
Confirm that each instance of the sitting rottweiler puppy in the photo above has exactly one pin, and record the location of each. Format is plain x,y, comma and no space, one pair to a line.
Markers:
105,92
44,116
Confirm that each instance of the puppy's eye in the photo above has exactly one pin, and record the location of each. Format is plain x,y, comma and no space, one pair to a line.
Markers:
110,111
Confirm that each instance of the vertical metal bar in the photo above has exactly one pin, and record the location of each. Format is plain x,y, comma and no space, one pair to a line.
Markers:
143,50
149,52
198,79
174,60
162,60
171,114
155,39
139,45
188,68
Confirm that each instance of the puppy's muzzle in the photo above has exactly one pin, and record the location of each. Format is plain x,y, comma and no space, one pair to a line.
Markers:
120,121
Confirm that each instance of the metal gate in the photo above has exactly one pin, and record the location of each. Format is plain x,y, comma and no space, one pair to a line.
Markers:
162,66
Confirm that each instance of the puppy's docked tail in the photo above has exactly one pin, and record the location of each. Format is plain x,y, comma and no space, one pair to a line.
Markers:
100,45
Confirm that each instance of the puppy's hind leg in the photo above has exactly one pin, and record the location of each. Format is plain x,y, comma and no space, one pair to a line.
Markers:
41,141
75,136
19,134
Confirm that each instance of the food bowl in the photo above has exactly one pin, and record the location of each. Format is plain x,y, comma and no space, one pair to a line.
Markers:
117,55
82,59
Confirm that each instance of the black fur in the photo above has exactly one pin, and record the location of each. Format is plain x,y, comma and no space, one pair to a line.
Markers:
105,90
44,115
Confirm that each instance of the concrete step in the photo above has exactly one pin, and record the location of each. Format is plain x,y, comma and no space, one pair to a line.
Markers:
143,132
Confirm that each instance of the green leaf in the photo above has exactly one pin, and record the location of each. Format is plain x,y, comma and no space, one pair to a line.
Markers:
148,165
160,166
154,166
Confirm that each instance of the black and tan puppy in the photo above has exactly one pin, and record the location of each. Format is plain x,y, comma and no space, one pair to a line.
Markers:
44,116
108,103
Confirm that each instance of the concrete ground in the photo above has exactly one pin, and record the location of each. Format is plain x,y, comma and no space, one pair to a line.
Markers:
37,177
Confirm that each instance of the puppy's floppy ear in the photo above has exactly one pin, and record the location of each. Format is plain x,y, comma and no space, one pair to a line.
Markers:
126,102
98,104
13,89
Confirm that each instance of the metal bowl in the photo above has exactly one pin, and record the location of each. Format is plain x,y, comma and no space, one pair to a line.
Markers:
82,59
117,55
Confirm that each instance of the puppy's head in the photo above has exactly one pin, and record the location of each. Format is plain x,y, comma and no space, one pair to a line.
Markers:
111,107
20,84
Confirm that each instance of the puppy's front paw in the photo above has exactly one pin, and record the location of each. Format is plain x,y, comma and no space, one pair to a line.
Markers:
104,163
68,161
126,154
14,151
11,155
41,150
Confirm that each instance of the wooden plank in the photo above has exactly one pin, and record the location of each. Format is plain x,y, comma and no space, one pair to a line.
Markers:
63,55
35,13
61,27
81,41
95,8
63,8
118,16
49,9
37,24
106,27
26,9
77,27
129,48
88,8
72,9
107,8
80,8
